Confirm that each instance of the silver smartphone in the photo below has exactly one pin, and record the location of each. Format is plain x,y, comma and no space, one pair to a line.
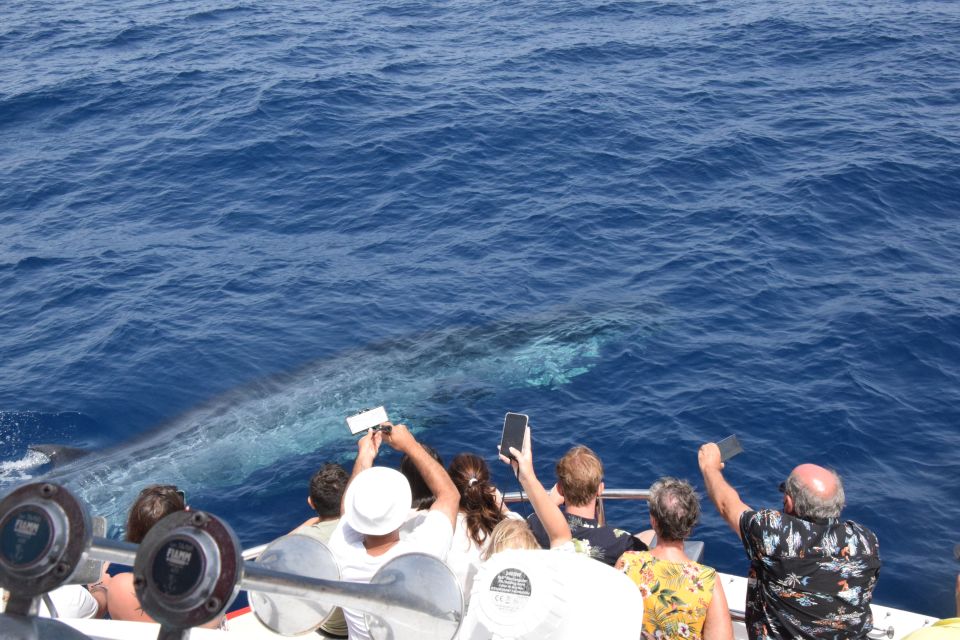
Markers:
366,419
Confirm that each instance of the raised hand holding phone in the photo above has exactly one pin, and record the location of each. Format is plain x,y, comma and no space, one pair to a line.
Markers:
553,520
397,436
521,459
514,425
369,445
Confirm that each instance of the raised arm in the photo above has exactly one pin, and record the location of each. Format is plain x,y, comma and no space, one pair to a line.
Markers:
723,496
434,475
552,519
367,448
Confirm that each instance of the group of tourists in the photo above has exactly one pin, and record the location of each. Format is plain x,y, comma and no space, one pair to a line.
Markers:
811,575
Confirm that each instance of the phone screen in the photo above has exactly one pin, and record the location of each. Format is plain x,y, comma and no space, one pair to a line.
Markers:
729,447
514,425
366,419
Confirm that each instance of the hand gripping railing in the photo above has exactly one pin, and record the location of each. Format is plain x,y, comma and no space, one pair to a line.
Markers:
189,569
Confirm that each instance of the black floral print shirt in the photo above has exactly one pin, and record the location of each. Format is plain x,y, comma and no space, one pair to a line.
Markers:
605,543
808,578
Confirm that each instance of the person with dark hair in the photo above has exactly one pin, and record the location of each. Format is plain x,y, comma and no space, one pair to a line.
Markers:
422,495
811,574
326,495
579,485
481,509
681,598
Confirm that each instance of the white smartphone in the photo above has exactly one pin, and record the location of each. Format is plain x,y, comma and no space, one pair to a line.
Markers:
366,419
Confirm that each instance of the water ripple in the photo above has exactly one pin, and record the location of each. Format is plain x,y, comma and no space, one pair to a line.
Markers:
199,196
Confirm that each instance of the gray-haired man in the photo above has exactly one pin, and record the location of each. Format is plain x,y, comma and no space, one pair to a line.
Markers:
811,575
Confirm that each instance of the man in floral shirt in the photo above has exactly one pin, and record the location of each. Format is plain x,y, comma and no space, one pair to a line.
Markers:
811,574
579,484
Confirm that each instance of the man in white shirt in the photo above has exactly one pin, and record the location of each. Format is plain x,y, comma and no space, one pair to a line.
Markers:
376,504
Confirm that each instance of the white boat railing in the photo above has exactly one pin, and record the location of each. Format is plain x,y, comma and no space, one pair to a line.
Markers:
608,494
254,552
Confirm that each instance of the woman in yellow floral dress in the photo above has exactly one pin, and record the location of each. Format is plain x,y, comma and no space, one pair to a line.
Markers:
681,598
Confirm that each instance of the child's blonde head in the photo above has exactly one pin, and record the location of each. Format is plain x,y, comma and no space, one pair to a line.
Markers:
510,533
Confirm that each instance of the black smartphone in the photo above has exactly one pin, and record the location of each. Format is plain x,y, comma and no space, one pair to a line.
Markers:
729,447
514,424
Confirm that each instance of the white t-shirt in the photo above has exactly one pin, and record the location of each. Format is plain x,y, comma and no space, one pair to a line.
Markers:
414,519
464,555
356,565
70,601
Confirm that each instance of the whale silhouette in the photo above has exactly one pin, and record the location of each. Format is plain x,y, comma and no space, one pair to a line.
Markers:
59,454
225,440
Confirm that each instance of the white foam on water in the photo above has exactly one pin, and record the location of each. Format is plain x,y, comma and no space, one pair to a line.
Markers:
20,470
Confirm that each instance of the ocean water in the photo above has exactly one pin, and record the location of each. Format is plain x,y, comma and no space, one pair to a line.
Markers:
227,225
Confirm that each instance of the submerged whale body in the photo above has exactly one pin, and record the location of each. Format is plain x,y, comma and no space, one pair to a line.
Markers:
228,439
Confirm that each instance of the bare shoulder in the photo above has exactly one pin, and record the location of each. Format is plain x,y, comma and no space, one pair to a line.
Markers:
122,601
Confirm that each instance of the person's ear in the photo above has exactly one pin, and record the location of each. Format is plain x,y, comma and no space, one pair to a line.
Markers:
559,487
600,490
310,502
787,504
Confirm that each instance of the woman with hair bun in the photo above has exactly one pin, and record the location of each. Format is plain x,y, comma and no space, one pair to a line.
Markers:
481,509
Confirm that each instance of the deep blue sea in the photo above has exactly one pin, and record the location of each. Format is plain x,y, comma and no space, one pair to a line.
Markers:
227,225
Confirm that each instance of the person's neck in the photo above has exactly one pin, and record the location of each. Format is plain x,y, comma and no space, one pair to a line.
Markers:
587,511
379,545
669,550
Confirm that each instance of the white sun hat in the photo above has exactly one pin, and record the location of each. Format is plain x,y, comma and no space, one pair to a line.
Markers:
377,501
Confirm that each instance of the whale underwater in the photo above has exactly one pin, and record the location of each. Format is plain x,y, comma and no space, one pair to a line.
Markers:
225,440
